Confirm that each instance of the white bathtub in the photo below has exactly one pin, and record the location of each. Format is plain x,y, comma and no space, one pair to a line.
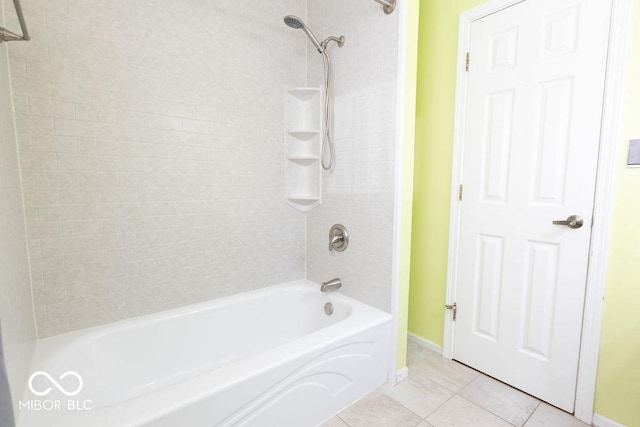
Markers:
265,358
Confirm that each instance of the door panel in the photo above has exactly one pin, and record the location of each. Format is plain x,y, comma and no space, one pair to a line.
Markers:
497,145
531,138
488,282
539,298
551,143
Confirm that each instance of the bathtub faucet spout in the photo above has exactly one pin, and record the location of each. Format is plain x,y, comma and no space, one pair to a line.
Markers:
331,285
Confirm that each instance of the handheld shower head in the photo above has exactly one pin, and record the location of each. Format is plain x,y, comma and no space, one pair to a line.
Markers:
293,21
297,23
327,140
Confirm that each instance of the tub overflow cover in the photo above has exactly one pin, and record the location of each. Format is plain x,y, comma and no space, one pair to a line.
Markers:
328,309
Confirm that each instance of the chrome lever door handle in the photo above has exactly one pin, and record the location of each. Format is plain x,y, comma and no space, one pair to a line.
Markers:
574,221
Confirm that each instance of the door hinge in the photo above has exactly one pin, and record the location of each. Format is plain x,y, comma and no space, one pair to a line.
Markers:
467,62
453,307
460,189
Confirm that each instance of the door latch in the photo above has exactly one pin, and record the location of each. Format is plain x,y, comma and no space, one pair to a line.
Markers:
453,307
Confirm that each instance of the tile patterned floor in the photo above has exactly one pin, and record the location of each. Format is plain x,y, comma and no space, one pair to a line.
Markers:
443,393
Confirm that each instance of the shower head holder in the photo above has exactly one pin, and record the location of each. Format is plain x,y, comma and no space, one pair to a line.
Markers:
298,24
338,40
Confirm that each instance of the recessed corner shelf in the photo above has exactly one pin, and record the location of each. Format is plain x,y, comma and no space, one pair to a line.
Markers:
303,160
303,124
303,133
304,93
303,203
303,199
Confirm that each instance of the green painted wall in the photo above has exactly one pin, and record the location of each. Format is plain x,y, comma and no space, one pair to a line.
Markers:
437,52
618,387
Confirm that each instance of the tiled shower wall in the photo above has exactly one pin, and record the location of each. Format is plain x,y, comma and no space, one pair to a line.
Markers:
16,310
150,139
359,192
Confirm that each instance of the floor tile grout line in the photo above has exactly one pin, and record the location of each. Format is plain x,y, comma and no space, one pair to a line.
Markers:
449,388
454,393
497,415
403,405
417,415
346,423
439,406
487,410
467,385
424,418
531,414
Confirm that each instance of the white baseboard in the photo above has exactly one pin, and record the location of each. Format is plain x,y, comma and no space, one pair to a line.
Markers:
602,421
402,374
423,342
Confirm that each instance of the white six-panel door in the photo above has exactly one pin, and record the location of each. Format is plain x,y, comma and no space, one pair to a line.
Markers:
531,138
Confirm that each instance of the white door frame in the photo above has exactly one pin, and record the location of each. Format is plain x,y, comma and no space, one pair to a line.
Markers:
395,375
615,81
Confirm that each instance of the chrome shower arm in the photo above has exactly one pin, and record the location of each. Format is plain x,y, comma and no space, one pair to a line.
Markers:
387,5
338,40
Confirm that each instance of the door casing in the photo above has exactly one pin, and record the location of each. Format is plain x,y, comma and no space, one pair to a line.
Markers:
615,81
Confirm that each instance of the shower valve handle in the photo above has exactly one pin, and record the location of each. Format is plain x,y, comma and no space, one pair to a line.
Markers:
338,238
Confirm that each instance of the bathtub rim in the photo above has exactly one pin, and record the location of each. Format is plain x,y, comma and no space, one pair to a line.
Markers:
97,331
193,389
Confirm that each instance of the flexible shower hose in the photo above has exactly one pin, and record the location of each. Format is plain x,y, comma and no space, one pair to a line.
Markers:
327,140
